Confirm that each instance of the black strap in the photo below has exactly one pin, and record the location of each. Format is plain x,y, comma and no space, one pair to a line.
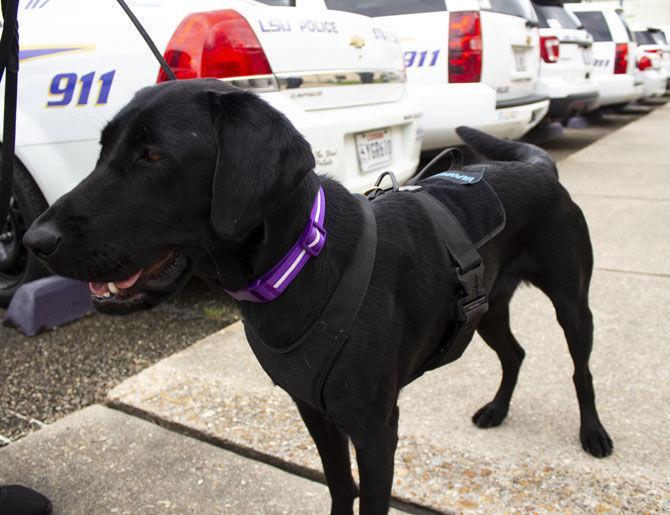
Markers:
342,310
147,39
9,62
473,302
343,307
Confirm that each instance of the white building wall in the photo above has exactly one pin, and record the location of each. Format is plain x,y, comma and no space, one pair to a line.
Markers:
648,12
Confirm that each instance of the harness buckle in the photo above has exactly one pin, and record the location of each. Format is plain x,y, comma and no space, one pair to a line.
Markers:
315,238
470,310
474,302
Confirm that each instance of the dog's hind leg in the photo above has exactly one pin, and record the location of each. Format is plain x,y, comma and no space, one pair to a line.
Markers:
333,447
574,316
494,328
564,275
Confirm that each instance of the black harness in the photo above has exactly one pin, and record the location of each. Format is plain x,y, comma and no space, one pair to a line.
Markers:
302,368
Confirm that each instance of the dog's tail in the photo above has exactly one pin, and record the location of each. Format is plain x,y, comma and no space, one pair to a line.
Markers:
498,149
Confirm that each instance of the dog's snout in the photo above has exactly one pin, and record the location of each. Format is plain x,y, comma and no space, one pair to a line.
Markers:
42,239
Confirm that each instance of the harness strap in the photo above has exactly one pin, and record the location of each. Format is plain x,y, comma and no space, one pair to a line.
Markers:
473,303
343,307
302,368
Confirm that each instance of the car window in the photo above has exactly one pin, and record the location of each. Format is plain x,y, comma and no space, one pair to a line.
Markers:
552,16
595,23
659,37
521,8
386,8
644,37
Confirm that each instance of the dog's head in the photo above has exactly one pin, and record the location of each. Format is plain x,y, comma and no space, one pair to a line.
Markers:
183,165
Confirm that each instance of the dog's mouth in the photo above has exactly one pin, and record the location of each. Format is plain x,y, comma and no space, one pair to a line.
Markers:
147,286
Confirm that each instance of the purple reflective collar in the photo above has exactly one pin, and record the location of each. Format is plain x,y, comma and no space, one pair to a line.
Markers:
271,284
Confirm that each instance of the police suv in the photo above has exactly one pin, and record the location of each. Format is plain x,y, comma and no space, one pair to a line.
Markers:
469,62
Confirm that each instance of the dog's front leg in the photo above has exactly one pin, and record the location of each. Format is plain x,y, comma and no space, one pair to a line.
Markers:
333,446
375,451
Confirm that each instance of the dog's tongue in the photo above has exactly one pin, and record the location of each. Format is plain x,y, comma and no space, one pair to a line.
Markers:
99,289
128,282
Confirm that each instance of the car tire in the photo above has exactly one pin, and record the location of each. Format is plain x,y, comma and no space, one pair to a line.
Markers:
17,266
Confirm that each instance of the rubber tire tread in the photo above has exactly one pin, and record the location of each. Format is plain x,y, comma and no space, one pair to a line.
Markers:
32,204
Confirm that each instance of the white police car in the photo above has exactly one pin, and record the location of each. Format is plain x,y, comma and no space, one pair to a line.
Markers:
653,60
469,62
613,52
339,77
566,72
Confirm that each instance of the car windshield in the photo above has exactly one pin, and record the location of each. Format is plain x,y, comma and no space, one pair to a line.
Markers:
644,37
385,8
595,23
555,17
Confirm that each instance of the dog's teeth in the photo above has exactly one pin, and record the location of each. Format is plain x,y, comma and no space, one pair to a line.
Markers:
112,287
106,294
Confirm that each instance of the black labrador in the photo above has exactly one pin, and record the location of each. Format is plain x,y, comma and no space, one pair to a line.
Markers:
197,177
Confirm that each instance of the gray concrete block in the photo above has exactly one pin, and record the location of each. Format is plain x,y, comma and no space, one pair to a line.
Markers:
47,303
100,460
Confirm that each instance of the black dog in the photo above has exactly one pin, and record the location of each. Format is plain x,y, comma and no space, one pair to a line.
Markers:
196,177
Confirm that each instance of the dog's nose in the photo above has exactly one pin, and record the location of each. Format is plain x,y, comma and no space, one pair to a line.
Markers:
42,240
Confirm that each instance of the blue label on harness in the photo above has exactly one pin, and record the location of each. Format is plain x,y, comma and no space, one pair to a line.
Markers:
461,177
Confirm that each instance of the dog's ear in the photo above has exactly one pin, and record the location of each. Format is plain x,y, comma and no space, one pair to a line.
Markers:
261,159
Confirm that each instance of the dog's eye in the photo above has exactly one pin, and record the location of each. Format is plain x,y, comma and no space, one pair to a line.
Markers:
152,155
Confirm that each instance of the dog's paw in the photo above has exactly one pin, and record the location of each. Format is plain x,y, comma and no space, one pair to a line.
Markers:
596,441
489,415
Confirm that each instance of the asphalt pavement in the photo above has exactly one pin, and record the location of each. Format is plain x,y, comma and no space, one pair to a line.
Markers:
45,377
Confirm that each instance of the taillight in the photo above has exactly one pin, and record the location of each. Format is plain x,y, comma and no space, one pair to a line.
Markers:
550,48
465,47
621,58
644,63
216,44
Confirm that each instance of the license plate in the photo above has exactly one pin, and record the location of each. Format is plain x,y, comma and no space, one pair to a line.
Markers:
374,149
507,115
520,60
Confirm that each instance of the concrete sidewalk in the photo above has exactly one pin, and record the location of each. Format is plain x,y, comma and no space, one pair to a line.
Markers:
217,392
99,460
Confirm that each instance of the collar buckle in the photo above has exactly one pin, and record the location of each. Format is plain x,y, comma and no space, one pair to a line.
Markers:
314,238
